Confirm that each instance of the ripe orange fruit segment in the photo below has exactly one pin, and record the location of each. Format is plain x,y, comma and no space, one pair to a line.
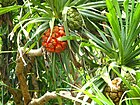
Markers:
51,42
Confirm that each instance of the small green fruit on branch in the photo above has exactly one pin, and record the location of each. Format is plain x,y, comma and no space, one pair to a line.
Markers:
74,19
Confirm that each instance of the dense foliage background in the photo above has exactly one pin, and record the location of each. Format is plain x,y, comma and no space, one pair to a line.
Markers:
99,66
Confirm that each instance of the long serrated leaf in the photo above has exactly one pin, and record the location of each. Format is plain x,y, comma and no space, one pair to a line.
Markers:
138,78
39,30
71,37
115,30
133,55
64,15
126,5
93,4
114,22
92,14
102,45
85,86
102,34
97,4
133,26
4,10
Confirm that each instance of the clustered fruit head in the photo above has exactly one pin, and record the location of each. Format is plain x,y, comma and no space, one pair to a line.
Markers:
74,19
51,42
114,93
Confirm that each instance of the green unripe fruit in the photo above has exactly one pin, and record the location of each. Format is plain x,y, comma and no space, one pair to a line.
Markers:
74,19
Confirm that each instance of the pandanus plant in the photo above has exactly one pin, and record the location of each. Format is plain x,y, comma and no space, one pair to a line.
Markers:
119,41
64,19
122,39
72,37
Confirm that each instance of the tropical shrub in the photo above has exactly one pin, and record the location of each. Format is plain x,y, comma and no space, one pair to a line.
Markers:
69,52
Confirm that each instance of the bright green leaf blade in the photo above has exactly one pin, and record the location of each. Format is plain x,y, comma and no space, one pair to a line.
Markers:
4,10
